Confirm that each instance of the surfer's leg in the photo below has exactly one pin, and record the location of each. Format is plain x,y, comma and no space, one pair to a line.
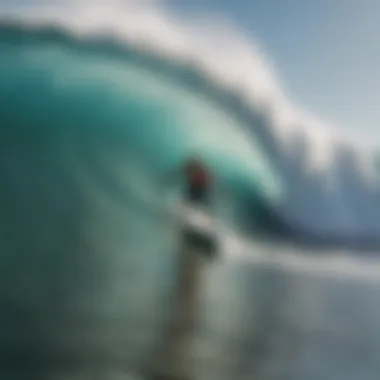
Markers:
173,356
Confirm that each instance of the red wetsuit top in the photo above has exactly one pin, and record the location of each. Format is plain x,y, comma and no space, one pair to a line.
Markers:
197,175
198,180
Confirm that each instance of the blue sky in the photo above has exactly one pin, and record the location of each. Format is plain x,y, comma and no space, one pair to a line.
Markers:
326,51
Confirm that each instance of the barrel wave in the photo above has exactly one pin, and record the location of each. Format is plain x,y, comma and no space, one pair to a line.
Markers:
55,84
165,109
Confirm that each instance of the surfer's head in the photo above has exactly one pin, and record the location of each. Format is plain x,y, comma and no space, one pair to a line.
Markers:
195,163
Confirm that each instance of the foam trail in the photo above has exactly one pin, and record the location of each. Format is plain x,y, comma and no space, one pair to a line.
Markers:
329,266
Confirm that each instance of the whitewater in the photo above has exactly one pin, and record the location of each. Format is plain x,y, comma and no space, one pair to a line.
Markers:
97,103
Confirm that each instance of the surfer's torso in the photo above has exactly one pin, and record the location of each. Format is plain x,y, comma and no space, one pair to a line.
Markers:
198,183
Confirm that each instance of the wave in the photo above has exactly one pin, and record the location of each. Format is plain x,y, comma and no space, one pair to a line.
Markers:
298,179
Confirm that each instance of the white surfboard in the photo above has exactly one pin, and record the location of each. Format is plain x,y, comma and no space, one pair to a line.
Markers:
199,229
197,219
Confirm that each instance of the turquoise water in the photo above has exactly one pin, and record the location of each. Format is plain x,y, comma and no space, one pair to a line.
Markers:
88,254
86,138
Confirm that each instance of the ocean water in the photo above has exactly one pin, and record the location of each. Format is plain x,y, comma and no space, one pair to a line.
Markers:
91,121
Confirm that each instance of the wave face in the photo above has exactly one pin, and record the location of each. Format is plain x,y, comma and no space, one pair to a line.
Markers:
167,108
164,112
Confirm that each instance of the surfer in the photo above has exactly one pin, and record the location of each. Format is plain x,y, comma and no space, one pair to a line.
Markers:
198,182
193,243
